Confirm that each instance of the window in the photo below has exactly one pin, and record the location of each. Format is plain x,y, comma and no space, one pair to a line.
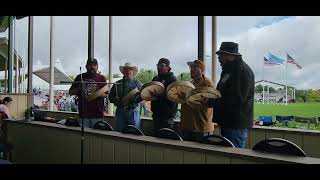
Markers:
280,36
20,60
144,40
70,52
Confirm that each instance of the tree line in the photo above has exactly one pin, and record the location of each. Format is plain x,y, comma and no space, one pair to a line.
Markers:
146,75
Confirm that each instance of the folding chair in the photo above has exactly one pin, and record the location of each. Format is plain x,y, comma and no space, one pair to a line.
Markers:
168,134
279,146
130,129
103,125
218,140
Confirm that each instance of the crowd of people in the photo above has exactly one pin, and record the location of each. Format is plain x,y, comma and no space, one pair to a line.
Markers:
233,111
62,101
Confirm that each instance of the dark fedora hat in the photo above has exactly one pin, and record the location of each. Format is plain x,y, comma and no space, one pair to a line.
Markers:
229,48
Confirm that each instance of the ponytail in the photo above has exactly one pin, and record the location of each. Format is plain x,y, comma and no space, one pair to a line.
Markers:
6,99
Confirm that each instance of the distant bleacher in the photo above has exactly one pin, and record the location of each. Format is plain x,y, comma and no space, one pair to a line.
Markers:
272,97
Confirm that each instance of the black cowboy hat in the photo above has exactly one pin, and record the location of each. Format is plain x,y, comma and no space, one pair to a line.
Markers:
229,48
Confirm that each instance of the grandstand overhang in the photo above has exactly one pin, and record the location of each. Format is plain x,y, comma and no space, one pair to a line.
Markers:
4,55
4,22
59,76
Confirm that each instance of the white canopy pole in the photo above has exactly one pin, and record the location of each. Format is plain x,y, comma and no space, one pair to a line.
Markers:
51,86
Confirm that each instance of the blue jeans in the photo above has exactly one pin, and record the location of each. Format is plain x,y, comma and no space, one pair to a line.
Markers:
237,136
90,122
125,117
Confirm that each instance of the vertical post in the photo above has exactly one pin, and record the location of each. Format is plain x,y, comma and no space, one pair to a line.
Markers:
6,76
268,93
10,55
263,83
51,86
110,106
30,60
286,83
201,37
214,48
91,37
263,94
22,77
19,77
16,89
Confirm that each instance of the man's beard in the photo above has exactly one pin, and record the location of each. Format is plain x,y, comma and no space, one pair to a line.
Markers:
229,65
92,71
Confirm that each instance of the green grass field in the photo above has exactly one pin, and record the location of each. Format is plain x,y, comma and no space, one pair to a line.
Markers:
294,109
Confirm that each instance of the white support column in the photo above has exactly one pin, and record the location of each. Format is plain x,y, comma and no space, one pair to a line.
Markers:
110,106
6,77
10,54
51,86
268,93
16,55
213,49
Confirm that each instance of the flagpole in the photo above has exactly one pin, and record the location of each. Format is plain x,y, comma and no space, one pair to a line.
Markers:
292,96
287,81
263,82
268,93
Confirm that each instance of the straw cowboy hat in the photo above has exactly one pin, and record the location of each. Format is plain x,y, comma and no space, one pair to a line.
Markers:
129,65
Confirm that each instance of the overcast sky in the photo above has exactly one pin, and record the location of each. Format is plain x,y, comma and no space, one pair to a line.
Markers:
143,40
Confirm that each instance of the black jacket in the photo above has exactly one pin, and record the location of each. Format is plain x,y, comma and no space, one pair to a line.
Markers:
235,108
164,108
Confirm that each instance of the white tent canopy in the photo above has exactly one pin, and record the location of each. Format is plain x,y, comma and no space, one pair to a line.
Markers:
59,76
43,72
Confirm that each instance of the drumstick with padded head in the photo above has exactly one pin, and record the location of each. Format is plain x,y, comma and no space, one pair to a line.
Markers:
117,96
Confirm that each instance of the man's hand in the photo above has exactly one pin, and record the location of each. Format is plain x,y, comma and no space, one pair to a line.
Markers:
137,98
117,101
105,94
182,95
154,95
73,91
204,101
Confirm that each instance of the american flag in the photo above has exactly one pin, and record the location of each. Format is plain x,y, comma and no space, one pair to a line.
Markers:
290,60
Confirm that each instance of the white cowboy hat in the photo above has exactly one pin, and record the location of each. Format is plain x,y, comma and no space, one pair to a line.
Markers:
129,65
